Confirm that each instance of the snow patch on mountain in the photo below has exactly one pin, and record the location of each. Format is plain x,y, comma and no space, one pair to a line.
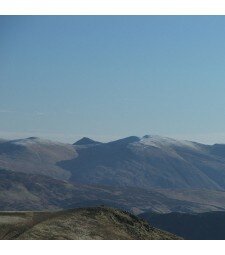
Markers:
162,142
35,141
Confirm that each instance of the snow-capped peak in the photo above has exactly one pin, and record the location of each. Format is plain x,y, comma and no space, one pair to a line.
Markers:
34,140
161,142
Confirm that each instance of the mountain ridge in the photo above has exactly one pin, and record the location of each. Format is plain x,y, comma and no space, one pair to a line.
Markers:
151,161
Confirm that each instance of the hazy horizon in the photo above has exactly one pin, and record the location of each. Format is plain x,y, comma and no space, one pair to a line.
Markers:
108,77
73,138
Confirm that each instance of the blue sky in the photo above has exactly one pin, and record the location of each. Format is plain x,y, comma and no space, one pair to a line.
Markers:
107,77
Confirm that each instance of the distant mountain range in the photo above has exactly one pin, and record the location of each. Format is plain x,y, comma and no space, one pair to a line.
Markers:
150,162
138,174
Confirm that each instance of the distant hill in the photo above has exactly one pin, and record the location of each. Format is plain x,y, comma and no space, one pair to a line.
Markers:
201,226
84,224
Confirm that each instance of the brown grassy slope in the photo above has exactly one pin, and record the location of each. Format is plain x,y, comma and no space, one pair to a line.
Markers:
96,223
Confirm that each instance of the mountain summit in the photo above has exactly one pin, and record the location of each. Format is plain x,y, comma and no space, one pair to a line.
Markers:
86,141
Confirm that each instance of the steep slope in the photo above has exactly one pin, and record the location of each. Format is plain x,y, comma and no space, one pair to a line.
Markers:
201,226
36,156
150,162
84,224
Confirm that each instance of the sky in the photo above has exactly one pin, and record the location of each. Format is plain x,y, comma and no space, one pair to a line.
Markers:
108,77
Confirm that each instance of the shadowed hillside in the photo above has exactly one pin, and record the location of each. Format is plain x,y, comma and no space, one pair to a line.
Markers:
201,226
